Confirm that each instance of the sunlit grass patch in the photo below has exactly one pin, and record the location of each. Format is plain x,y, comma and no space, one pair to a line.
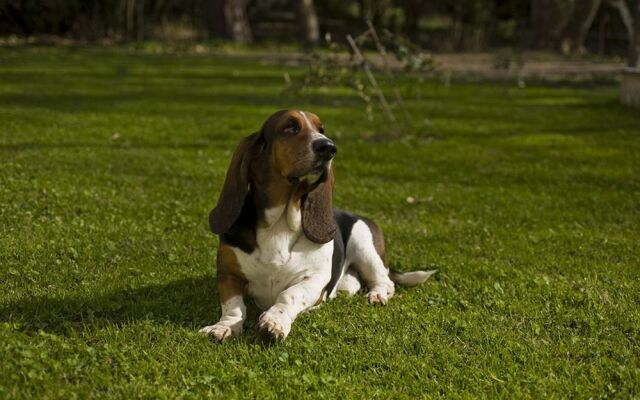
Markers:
525,199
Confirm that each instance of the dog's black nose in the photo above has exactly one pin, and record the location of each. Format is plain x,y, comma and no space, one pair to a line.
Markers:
324,148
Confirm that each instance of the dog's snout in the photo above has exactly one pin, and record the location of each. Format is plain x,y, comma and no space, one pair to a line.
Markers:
324,148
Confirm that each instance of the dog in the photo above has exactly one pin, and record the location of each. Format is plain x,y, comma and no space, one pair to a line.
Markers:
281,240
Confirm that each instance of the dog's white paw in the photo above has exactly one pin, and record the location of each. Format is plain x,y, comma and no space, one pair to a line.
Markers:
218,332
274,324
380,294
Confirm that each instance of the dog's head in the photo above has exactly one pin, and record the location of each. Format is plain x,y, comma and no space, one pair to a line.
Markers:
290,155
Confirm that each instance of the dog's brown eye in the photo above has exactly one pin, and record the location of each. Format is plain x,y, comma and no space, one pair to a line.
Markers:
321,130
292,128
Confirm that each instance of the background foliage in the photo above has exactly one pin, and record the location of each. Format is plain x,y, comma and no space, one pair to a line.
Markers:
571,25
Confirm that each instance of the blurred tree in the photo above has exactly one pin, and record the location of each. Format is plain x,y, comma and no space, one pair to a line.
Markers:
379,12
549,19
134,20
12,12
140,21
216,23
584,25
634,56
412,10
440,25
306,13
235,14
628,21
227,19
565,24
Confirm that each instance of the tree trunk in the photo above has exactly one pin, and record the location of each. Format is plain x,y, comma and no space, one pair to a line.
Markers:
634,56
215,23
550,19
602,34
158,11
627,21
457,36
129,18
585,26
308,22
237,22
140,21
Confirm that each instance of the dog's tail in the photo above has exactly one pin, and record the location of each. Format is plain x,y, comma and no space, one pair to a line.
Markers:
412,278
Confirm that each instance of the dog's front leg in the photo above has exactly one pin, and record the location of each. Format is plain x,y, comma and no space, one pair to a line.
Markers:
230,288
234,311
275,323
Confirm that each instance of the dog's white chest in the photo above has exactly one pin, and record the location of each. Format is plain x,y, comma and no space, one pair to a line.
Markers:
277,239
283,258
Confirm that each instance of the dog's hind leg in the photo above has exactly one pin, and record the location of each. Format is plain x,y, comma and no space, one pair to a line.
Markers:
365,252
350,282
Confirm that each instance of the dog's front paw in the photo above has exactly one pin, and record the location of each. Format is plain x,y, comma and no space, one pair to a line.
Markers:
274,324
218,332
380,294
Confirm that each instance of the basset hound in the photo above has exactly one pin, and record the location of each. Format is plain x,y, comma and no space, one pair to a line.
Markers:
281,240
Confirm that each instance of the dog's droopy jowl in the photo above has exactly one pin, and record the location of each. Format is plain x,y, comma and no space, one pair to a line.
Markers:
281,240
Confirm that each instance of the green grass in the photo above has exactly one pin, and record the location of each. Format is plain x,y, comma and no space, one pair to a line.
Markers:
527,200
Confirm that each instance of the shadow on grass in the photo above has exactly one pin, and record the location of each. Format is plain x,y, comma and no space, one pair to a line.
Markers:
22,146
190,302
168,102
186,302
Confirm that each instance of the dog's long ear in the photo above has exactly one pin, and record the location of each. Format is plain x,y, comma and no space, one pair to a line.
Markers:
236,186
317,212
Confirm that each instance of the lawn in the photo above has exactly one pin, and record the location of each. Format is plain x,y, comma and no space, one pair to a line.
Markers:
526,200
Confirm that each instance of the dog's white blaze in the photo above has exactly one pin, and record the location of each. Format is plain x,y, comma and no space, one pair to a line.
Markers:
314,133
306,119
317,135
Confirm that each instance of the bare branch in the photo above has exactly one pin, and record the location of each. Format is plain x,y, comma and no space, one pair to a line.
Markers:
371,78
387,69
